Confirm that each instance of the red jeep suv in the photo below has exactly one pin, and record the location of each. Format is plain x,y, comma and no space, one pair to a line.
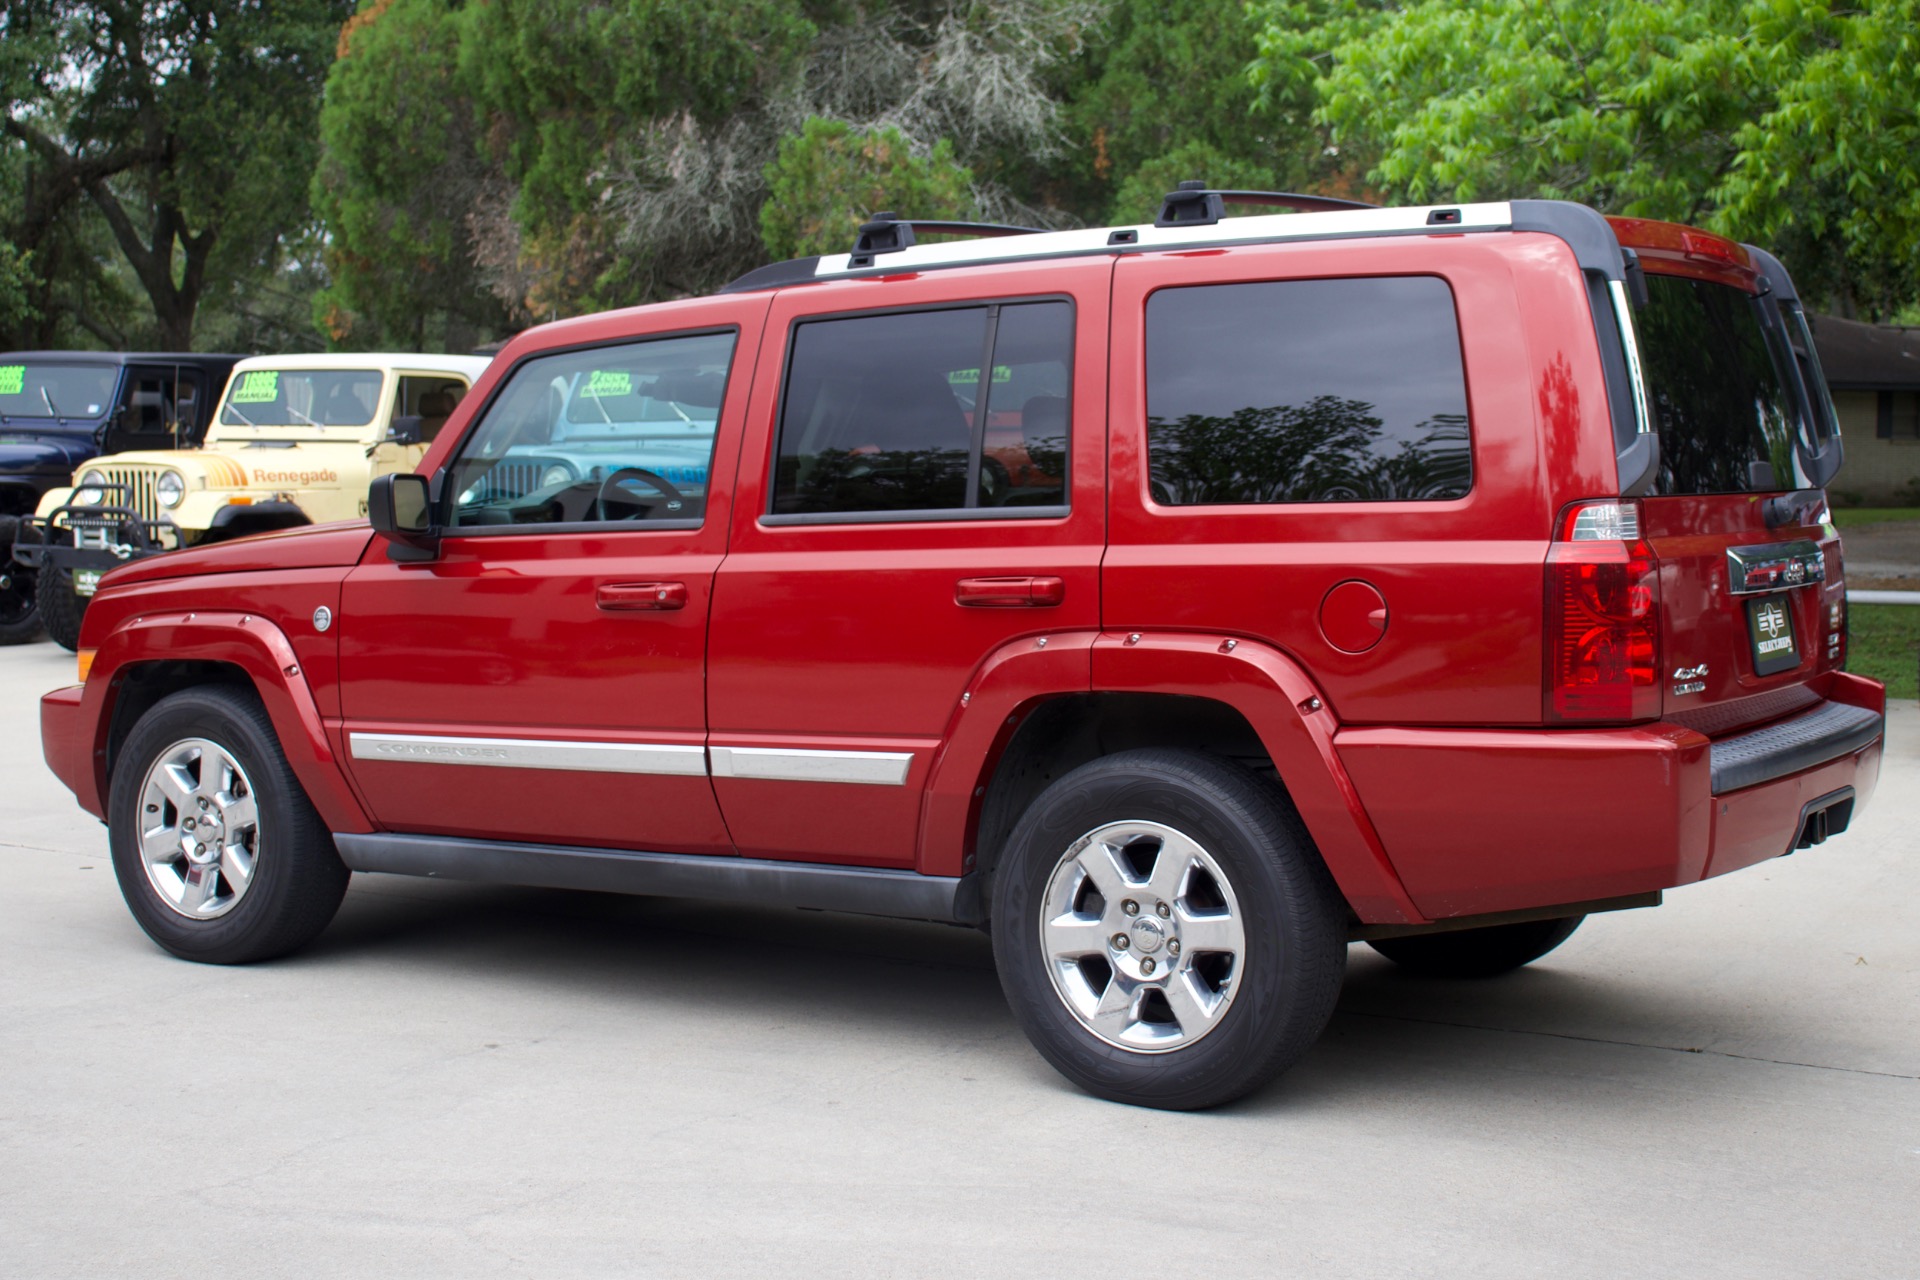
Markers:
1181,602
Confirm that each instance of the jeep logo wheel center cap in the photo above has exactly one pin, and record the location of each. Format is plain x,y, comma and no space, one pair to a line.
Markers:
1148,934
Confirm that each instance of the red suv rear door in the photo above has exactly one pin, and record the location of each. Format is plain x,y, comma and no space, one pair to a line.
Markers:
921,486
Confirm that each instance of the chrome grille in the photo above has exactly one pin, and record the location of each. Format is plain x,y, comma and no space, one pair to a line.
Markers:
138,494
510,480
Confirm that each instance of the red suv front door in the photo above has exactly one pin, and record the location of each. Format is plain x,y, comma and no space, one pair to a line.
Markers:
541,679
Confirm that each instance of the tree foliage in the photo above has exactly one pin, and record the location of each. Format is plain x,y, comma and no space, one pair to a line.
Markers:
1739,114
187,126
831,177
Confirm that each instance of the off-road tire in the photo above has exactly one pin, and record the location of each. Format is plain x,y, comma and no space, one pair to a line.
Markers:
61,607
1477,953
1286,978
297,879
19,606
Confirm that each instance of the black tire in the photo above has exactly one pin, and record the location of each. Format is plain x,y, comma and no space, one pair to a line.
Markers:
297,878
61,607
1478,953
1284,981
19,595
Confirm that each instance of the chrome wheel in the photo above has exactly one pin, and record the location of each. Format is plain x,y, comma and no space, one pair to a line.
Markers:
1142,936
199,829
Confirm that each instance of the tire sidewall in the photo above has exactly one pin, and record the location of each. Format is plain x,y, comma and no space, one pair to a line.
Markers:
61,607
219,716
1267,1007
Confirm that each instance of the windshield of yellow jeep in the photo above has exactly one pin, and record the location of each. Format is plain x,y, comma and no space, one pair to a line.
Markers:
302,398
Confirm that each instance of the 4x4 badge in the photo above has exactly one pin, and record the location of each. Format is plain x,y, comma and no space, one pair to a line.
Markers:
1688,680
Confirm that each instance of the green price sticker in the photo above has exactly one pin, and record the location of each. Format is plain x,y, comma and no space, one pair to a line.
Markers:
257,386
602,383
968,377
13,379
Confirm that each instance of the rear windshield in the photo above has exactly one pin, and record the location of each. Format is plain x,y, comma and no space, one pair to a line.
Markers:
56,390
1720,395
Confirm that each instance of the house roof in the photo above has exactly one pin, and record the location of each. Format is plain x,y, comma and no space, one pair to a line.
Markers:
1867,357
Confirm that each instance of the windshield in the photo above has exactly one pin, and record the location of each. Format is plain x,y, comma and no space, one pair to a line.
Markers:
1720,394
302,398
56,390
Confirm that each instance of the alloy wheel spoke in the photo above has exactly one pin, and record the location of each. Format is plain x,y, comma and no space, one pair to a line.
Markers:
197,887
160,845
1070,936
237,812
177,785
1102,864
1169,878
1209,931
1117,1008
1193,1011
236,867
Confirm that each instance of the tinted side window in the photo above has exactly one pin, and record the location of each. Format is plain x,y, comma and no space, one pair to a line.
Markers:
894,413
1306,391
611,434
1719,400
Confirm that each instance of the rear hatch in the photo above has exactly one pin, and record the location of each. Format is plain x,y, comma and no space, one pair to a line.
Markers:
1752,597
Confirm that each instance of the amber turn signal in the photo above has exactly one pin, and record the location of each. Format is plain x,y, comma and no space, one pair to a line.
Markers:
85,657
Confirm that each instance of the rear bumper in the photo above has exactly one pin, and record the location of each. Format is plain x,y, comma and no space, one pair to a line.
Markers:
1575,815
66,739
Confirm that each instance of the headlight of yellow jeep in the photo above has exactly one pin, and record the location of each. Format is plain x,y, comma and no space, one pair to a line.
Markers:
556,475
170,488
88,492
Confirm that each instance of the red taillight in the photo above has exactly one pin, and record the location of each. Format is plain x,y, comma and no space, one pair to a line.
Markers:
1603,618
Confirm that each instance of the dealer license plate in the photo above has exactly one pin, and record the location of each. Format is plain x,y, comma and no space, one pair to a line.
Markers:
86,581
1770,631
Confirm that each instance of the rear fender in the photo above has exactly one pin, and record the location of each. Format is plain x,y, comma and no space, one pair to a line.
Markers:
1294,723
261,652
1012,681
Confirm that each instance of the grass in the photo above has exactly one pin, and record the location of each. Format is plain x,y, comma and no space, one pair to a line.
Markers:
1883,641
1855,517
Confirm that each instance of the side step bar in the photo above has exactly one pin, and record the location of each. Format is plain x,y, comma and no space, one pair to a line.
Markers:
868,891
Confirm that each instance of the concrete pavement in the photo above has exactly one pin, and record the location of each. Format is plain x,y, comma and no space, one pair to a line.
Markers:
468,1081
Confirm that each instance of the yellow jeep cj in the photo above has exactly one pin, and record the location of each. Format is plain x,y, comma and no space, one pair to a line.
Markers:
296,440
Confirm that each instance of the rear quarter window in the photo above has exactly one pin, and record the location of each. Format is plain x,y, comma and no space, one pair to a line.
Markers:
1348,390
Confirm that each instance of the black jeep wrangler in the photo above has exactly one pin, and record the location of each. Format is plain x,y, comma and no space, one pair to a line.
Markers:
60,408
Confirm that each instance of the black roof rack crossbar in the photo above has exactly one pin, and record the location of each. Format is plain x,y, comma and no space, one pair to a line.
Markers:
1195,205
890,233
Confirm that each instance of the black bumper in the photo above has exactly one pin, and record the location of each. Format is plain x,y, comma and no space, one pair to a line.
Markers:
1828,732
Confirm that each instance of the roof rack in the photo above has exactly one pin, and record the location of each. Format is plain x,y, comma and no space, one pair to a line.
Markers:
1195,205
890,233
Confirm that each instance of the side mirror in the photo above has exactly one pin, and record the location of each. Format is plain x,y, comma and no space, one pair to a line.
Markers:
398,507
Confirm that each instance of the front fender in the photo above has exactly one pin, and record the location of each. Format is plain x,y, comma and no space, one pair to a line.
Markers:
1281,702
261,652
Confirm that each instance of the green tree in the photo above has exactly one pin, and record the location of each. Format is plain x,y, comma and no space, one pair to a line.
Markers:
1788,120
1161,94
187,125
831,177
401,185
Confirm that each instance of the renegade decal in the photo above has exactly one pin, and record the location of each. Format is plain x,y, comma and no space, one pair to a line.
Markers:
257,386
295,477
